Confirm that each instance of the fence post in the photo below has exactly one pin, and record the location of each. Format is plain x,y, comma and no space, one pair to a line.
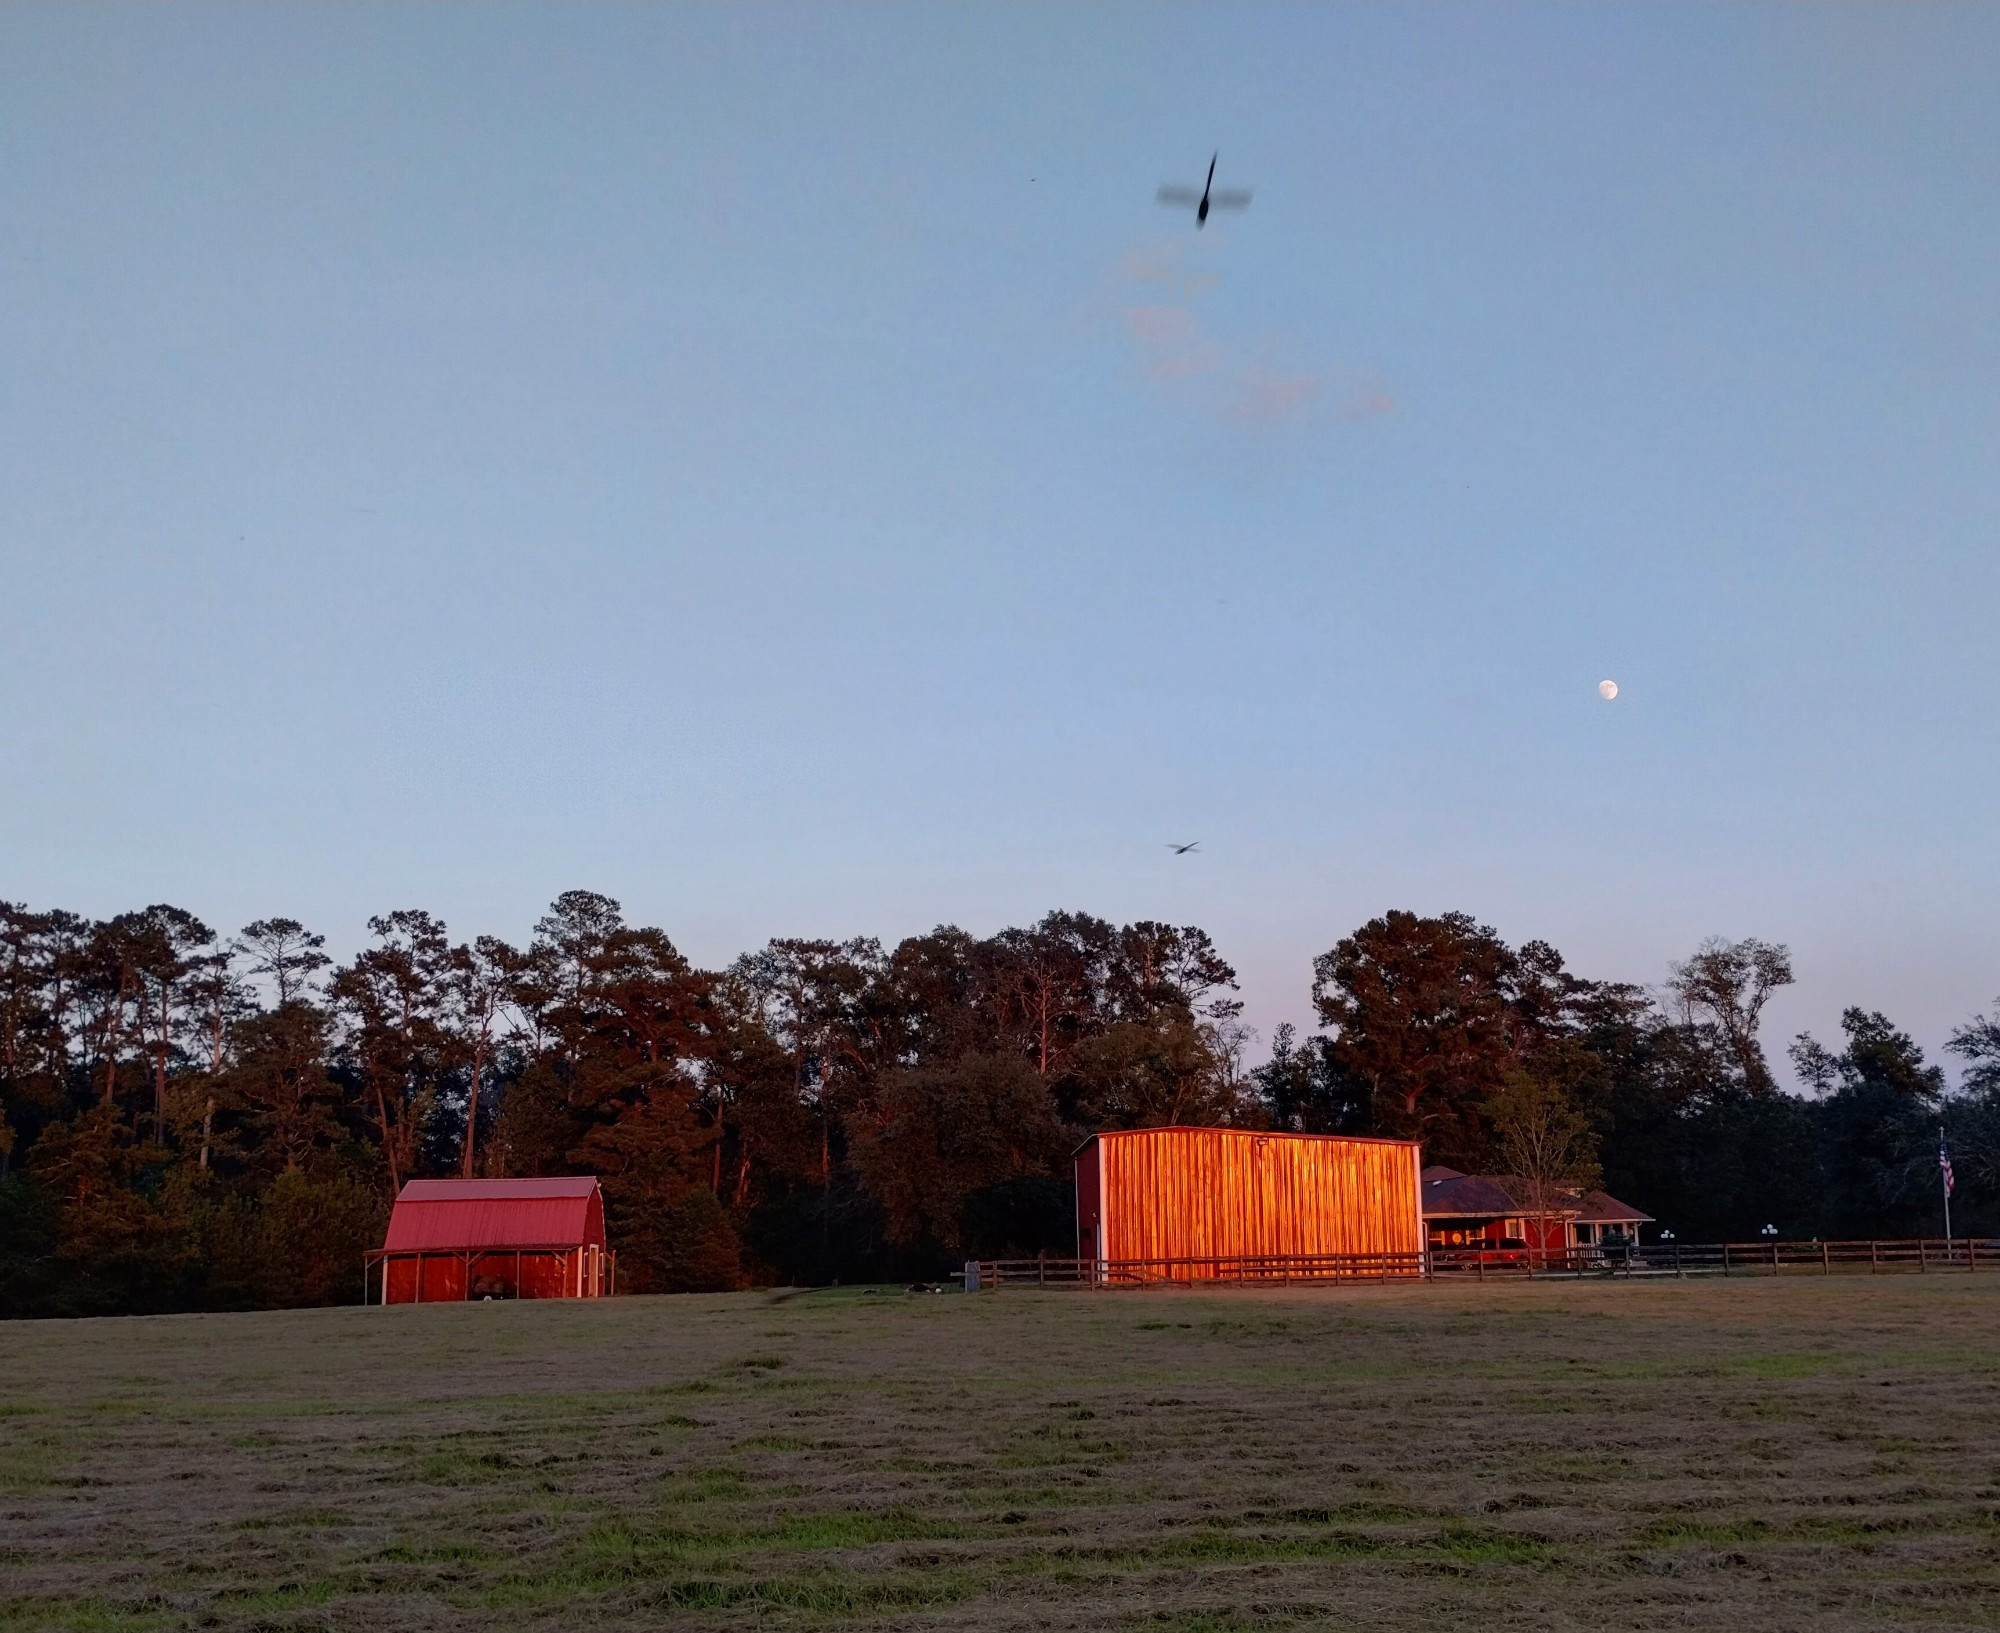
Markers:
1825,1258
1923,1262
1874,1255
1725,1258
1678,1271
1774,1258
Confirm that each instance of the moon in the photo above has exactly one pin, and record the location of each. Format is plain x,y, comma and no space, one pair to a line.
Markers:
1607,689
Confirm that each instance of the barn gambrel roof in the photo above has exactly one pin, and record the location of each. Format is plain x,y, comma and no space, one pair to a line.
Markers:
433,1215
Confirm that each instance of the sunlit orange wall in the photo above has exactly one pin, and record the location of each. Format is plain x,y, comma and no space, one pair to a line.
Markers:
1197,1193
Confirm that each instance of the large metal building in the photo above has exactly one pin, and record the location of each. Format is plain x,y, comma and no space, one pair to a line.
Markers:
452,1240
1194,1202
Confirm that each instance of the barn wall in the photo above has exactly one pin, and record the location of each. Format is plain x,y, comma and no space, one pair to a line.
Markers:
1191,1193
442,1281
535,1275
1088,1203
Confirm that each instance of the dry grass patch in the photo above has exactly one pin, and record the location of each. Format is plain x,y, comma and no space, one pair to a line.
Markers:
1778,1455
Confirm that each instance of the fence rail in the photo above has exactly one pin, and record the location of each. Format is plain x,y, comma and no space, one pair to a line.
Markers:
1682,1259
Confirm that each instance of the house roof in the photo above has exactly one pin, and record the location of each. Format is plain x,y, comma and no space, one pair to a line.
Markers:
443,1214
1471,1196
1599,1209
1448,1194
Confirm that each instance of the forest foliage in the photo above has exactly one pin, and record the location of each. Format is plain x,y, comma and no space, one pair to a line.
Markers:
199,1121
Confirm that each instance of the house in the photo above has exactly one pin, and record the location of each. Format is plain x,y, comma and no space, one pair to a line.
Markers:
1192,1203
453,1240
1498,1210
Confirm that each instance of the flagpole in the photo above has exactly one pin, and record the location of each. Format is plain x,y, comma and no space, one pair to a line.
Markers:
1944,1183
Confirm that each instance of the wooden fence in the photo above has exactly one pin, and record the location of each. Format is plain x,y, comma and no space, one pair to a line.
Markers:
1913,1257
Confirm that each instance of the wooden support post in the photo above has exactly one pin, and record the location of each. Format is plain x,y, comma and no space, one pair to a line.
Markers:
1922,1257
1825,1258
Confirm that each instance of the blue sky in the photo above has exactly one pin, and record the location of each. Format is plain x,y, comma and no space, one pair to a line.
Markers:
781,468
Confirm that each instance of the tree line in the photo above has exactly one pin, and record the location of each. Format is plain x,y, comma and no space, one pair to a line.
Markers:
198,1121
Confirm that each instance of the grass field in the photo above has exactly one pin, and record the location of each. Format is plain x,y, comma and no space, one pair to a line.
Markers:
1764,1455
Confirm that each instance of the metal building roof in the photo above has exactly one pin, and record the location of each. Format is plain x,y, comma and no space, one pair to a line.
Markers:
434,1215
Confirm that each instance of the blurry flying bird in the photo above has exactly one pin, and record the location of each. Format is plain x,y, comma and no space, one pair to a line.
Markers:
1231,198
1182,850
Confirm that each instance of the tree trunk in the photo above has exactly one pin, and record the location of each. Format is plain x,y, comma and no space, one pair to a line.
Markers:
162,1042
104,1043
472,1108
388,1139
825,1179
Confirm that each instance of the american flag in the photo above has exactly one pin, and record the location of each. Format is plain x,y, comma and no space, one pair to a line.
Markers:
1944,1165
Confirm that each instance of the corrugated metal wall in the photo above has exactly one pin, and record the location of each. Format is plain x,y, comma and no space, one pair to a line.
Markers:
447,1278
1197,1193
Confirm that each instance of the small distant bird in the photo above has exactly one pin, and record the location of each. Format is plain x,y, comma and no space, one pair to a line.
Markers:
1182,850
1233,198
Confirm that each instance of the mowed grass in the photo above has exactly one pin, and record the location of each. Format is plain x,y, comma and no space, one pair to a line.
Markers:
1764,1455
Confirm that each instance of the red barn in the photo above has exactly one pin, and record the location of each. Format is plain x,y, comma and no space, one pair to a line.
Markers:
1175,1197
451,1240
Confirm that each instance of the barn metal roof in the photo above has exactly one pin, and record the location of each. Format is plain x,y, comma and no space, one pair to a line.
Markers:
493,1190
1263,1136
442,1214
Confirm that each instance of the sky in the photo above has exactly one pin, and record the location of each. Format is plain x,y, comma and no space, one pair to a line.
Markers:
780,467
